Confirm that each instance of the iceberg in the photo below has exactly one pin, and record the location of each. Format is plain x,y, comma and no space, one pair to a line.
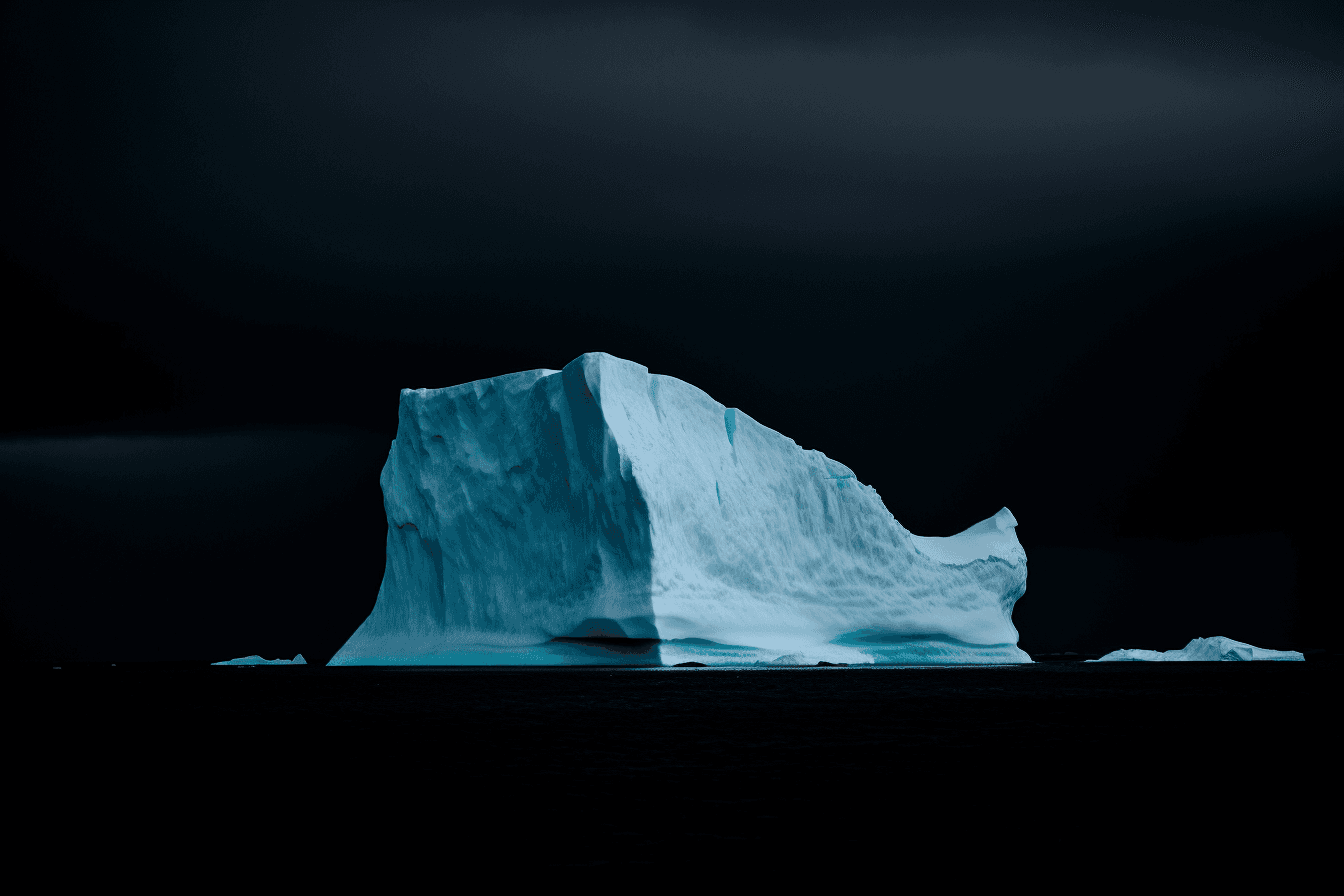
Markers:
1201,650
255,660
601,514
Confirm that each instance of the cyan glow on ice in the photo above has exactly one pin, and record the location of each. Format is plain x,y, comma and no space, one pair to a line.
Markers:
638,521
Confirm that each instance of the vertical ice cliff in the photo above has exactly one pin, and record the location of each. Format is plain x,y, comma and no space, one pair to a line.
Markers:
637,520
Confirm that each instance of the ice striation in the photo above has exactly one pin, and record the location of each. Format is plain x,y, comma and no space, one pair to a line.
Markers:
255,660
1201,650
600,514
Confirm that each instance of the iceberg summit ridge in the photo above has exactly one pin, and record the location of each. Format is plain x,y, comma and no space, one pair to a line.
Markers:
1216,649
256,660
603,514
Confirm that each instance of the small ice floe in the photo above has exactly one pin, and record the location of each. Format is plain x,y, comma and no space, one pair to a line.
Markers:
258,661
1201,650
799,659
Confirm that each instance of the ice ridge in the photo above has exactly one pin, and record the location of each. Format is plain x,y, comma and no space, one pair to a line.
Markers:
255,660
1201,650
602,514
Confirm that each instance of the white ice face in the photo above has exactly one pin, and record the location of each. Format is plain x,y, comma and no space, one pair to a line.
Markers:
1201,650
603,502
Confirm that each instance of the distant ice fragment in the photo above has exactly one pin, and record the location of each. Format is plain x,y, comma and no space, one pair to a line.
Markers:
604,515
1201,650
255,660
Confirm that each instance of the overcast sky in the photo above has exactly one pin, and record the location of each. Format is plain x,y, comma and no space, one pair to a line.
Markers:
399,145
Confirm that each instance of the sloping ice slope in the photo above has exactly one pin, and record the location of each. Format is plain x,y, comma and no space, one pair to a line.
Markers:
640,521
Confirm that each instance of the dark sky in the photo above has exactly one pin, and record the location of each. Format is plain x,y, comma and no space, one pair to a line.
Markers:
1067,258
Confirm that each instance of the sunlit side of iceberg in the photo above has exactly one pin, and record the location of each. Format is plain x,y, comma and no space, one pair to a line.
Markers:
1202,650
600,514
258,661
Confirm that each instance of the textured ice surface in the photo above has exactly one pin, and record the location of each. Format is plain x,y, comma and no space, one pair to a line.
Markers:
258,661
600,502
1201,650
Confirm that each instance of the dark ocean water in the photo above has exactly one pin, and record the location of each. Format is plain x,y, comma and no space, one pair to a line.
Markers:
688,772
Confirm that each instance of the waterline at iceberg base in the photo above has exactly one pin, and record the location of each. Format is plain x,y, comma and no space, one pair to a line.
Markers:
603,515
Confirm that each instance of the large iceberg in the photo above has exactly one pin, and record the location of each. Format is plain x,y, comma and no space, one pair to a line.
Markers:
1201,650
600,514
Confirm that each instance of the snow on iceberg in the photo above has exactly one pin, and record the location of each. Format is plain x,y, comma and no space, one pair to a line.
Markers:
1201,650
600,514
255,660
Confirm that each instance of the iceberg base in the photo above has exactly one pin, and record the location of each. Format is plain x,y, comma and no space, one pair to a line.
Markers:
859,649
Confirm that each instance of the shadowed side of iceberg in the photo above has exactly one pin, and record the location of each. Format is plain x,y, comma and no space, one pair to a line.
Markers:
552,653
513,519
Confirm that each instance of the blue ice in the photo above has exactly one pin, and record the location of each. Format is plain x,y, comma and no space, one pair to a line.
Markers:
523,508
